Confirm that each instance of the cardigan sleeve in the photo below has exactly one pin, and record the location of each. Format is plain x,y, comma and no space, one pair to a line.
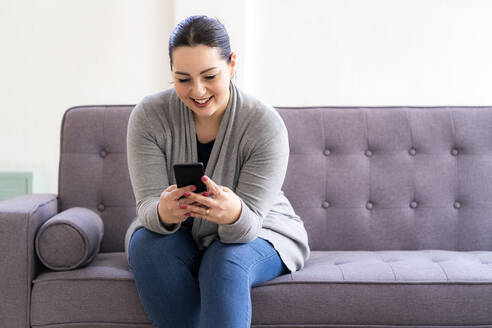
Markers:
260,181
148,170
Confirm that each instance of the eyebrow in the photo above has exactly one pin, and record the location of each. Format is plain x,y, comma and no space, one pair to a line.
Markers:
204,71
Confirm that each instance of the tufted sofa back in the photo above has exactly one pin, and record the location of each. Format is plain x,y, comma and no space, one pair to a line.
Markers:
93,170
392,178
360,178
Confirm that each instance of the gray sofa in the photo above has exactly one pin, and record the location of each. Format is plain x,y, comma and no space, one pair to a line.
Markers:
397,203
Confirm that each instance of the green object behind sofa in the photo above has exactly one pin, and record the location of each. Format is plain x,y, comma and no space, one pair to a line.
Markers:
14,184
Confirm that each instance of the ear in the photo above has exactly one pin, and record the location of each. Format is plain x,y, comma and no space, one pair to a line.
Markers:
232,64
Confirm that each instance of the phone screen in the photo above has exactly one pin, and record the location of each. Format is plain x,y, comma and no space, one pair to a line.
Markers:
190,174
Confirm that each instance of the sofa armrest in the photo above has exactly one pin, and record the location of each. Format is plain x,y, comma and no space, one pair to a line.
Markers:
20,219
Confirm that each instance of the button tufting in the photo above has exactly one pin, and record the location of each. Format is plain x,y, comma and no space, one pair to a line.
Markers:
369,205
454,152
368,153
414,204
457,205
327,152
101,207
325,204
103,153
412,151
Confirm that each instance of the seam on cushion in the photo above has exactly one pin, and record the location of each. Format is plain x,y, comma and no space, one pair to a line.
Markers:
376,283
339,268
453,129
414,178
391,267
99,189
36,208
369,160
83,279
85,323
440,266
399,207
323,135
448,283
332,325
447,278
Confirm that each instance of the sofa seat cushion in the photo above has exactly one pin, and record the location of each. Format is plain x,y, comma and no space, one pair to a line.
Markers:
381,288
101,294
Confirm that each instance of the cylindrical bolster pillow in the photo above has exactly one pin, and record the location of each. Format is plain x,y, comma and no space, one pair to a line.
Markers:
70,239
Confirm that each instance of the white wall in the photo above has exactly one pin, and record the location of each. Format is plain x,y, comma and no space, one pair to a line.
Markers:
62,53
378,52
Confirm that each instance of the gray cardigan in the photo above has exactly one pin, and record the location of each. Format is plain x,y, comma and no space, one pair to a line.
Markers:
250,156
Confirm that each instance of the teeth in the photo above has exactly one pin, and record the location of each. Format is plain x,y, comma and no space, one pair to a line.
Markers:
202,101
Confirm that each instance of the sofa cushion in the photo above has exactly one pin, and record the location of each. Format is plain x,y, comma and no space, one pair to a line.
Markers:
381,288
102,293
69,239
385,288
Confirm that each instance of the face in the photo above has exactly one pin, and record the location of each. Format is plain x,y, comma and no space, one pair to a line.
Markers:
201,79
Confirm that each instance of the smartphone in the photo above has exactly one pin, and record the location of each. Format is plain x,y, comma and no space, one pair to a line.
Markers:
190,174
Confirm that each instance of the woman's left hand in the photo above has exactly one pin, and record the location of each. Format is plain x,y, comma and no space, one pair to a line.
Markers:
223,208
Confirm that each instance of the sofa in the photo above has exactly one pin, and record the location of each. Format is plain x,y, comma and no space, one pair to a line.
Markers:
397,203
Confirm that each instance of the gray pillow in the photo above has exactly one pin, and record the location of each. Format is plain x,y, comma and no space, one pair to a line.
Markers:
70,239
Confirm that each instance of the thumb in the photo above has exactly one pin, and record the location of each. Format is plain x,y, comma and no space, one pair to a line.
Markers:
171,188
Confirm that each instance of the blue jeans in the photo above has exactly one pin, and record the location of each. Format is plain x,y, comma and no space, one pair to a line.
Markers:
181,286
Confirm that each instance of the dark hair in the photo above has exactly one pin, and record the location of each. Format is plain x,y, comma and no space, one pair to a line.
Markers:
196,30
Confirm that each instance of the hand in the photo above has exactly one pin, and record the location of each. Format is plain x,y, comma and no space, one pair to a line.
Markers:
171,208
224,208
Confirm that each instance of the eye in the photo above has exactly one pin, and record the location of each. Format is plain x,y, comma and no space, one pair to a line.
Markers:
183,80
210,77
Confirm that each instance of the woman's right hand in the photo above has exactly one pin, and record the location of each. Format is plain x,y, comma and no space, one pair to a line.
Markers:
169,208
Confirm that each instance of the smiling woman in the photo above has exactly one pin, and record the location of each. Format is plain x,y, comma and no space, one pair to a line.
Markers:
196,255
201,80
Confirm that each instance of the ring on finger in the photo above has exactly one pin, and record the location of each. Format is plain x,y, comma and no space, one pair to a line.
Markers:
207,211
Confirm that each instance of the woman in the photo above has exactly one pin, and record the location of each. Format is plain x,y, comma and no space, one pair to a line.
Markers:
195,256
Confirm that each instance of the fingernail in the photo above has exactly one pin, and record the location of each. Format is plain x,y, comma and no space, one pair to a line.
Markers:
204,178
187,194
192,188
206,194
183,207
187,214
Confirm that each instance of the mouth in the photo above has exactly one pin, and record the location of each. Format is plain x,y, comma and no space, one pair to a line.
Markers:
203,102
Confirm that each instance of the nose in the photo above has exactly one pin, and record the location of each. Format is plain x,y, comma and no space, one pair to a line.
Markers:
198,89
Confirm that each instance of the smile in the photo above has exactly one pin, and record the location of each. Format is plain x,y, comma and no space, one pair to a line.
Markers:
202,102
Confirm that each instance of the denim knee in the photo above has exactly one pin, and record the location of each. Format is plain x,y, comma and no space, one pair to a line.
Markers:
138,246
219,259
146,247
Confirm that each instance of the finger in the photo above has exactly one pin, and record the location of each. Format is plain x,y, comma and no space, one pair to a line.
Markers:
182,214
177,193
196,210
202,213
212,186
209,202
171,188
186,201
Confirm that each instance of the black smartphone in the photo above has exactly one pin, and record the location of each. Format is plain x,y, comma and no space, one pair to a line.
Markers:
190,174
